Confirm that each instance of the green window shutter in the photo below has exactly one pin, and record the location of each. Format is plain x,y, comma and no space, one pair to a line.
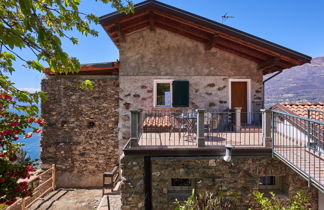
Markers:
180,93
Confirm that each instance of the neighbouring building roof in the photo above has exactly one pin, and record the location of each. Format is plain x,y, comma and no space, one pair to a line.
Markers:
107,68
270,57
300,109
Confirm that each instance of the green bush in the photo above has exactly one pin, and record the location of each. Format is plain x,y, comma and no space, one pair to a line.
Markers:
208,201
298,202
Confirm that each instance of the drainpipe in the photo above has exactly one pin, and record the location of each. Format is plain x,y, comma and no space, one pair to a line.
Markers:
276,74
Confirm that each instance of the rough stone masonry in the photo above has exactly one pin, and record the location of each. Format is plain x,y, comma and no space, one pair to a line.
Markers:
80,136
211,173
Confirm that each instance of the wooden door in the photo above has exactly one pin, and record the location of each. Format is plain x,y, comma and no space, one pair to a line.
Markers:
239,97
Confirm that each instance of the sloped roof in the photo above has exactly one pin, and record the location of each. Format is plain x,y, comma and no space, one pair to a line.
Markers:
106,68
300,109
150,14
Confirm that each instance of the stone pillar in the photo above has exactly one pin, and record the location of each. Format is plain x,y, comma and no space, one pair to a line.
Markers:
134,127
200,128
266,127
238,118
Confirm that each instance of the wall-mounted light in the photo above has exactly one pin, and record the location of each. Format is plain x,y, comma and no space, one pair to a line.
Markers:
228,152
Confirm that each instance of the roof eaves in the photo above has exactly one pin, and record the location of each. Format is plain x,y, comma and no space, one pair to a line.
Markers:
214,25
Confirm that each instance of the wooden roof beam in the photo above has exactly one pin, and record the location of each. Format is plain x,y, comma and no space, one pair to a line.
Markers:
212,42
151,21
268,63
121,35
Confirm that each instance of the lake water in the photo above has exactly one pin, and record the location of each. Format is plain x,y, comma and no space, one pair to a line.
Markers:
32,145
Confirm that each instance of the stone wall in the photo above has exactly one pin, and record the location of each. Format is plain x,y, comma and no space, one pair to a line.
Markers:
147,56
240,176
81,132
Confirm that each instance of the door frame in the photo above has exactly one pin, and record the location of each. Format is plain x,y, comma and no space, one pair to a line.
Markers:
249,104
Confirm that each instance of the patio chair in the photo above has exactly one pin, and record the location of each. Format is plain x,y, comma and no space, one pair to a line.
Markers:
175,125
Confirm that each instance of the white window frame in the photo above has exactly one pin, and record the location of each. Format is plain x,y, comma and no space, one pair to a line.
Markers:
249,102
155,92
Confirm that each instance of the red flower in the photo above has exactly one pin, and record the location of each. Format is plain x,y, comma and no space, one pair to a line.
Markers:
24,183
13,158
9,131
3,133
29,168
9,98
27,193
16,132
29,135
18,189
10,202
40,121
30,120
16,138
25,175
38,131
2,155
2,180
13,124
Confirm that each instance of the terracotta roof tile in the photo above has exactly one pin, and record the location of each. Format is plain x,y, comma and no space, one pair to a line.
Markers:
301,109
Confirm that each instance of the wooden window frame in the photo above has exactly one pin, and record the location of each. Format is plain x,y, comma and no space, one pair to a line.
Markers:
155,92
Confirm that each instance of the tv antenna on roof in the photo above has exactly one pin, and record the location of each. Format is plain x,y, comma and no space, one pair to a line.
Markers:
225,17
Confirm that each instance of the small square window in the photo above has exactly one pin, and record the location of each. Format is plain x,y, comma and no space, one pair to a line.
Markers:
180,188
267,180
163,94
276,184
180,182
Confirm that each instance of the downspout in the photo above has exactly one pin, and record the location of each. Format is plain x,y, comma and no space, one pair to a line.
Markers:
276,74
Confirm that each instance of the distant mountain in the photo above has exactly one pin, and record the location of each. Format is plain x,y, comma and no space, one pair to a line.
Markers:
299,84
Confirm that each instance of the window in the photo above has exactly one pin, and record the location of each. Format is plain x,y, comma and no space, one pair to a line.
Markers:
163,95
180,188
267,180
270,182
276,184
171,93
180,182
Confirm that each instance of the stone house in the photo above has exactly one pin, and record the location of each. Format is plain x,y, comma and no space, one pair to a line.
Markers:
171,63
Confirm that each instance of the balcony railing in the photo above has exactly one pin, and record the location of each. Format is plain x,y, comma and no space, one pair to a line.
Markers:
196,128
316,114
299,142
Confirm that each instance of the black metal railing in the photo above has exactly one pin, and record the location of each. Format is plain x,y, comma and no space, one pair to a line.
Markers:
223,128
180,128
168,128
299,142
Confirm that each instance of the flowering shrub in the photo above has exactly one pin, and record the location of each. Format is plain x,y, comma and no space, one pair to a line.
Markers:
16,119
37,27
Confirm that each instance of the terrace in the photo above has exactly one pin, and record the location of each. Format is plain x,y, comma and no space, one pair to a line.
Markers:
295,140
196,128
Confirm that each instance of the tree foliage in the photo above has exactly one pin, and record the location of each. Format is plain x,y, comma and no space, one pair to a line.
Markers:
39,27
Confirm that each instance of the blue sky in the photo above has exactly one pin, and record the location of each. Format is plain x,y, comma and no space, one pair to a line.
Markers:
296,24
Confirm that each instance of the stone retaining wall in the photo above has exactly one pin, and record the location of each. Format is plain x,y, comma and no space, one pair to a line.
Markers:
240,176
81,132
